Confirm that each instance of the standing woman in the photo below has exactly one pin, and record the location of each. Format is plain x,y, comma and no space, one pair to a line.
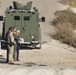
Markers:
17,36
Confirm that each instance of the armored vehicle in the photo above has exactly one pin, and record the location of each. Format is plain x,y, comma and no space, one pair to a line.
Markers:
26,20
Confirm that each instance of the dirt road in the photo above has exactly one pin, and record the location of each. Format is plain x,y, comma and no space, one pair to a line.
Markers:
54,58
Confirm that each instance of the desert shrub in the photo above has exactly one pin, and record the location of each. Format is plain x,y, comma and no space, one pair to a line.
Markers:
65,24
66,16
71,3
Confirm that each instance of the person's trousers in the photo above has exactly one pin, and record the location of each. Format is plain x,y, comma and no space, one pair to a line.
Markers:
11,53
7,54
16,51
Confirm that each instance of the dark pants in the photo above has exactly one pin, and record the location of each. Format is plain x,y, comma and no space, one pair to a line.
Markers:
16,51
7,53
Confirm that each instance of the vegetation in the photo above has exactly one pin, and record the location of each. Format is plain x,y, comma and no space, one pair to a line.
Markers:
71,3
65,24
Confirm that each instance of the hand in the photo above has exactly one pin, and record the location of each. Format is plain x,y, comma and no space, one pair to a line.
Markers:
14,42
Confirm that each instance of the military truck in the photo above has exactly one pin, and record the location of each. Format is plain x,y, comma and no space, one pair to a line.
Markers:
26,20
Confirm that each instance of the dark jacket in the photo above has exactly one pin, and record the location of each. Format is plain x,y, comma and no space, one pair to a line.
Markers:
16,37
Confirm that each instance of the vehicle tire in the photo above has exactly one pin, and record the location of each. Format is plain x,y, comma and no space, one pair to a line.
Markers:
3,45
33,46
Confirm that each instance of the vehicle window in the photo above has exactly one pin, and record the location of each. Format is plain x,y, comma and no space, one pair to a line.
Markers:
27,18
16,17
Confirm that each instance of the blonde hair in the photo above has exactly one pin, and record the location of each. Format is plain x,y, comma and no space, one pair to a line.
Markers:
18,31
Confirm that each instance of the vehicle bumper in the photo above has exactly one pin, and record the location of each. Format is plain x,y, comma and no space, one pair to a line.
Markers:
32,42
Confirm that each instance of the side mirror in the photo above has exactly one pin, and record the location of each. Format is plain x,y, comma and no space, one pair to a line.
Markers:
43,19
1,18
10,7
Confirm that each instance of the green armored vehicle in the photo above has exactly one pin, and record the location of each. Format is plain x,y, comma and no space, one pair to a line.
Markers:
26,20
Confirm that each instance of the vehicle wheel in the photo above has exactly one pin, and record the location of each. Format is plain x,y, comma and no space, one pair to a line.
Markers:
33,46
3,45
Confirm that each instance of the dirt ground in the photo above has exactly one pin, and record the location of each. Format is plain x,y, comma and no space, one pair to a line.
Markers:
51,54
54,58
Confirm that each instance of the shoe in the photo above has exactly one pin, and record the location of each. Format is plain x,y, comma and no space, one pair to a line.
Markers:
15,59
18,60
11,63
